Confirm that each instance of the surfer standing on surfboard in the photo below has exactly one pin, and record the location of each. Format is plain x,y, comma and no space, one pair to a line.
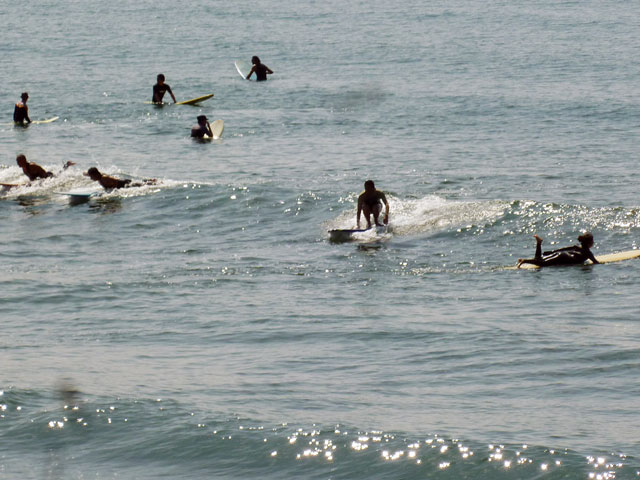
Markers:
35,171
202,128
575,255
21,111
370,202
159,90
260,69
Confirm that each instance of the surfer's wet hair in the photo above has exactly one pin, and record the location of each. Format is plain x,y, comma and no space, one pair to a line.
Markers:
255,60
586,237
369,184
161,77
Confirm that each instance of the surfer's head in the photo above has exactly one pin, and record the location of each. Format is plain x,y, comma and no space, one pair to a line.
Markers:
202,119
369,186
24,96
255,60
586,239
93,173
21,160
160,78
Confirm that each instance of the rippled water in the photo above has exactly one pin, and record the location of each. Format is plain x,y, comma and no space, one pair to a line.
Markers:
205,326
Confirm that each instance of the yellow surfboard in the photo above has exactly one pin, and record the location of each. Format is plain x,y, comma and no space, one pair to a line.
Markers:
607,258
193,101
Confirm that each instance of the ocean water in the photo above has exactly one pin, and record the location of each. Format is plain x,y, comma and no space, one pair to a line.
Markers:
206,327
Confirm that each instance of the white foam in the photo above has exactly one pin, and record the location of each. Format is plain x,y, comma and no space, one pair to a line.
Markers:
73,180
427,214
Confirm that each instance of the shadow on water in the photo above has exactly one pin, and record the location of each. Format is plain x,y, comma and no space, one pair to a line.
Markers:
31,204
106,205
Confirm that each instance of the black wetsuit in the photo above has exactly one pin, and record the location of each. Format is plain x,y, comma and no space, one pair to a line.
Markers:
159,91
199,131
261,72
575,255
20,113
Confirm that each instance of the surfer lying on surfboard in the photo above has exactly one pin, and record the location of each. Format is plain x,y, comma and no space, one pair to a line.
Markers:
109,183
574,255
260,69
35,171
370,202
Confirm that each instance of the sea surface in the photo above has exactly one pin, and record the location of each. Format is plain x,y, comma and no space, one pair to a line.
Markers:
206,326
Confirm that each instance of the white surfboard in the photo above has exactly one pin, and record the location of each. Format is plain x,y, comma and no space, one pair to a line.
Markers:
217,127
81,193
607,258
243,68
48,120
34,122
348,234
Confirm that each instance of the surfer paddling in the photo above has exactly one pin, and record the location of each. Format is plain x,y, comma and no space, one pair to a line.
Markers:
202,128
574,255
260,69
370,202
160,88
109,183
35,171
21,111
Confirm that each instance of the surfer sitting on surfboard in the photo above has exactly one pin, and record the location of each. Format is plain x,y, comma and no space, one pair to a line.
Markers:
21,111
260,69
202,128
370,202
112,182
575,255
35,171
159,90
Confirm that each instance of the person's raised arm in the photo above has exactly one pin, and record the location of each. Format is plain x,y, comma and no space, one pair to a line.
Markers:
253,69
386,213
268,70
386,208
209,131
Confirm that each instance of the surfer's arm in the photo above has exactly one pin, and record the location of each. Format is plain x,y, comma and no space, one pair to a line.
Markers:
209,131
173,97
253,69
269,71
386,208
591,257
